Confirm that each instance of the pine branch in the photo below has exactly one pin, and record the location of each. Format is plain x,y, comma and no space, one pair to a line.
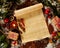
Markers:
4,35
54,8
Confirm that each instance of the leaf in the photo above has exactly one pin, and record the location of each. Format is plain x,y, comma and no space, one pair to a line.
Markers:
5,45
2,38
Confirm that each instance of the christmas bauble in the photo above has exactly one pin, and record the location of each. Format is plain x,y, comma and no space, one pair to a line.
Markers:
6,20
13,24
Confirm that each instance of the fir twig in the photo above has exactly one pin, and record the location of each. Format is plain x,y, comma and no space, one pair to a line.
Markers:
4,35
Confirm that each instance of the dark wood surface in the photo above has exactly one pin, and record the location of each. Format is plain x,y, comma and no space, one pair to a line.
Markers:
36,44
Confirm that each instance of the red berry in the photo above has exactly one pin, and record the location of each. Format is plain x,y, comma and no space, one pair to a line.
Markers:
49,16
14,42
54,34
13,24
47,11
6,20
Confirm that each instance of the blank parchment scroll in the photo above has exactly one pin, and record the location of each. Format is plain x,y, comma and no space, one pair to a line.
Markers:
35,24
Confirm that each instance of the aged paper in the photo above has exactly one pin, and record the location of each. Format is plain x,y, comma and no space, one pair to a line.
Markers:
35,25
